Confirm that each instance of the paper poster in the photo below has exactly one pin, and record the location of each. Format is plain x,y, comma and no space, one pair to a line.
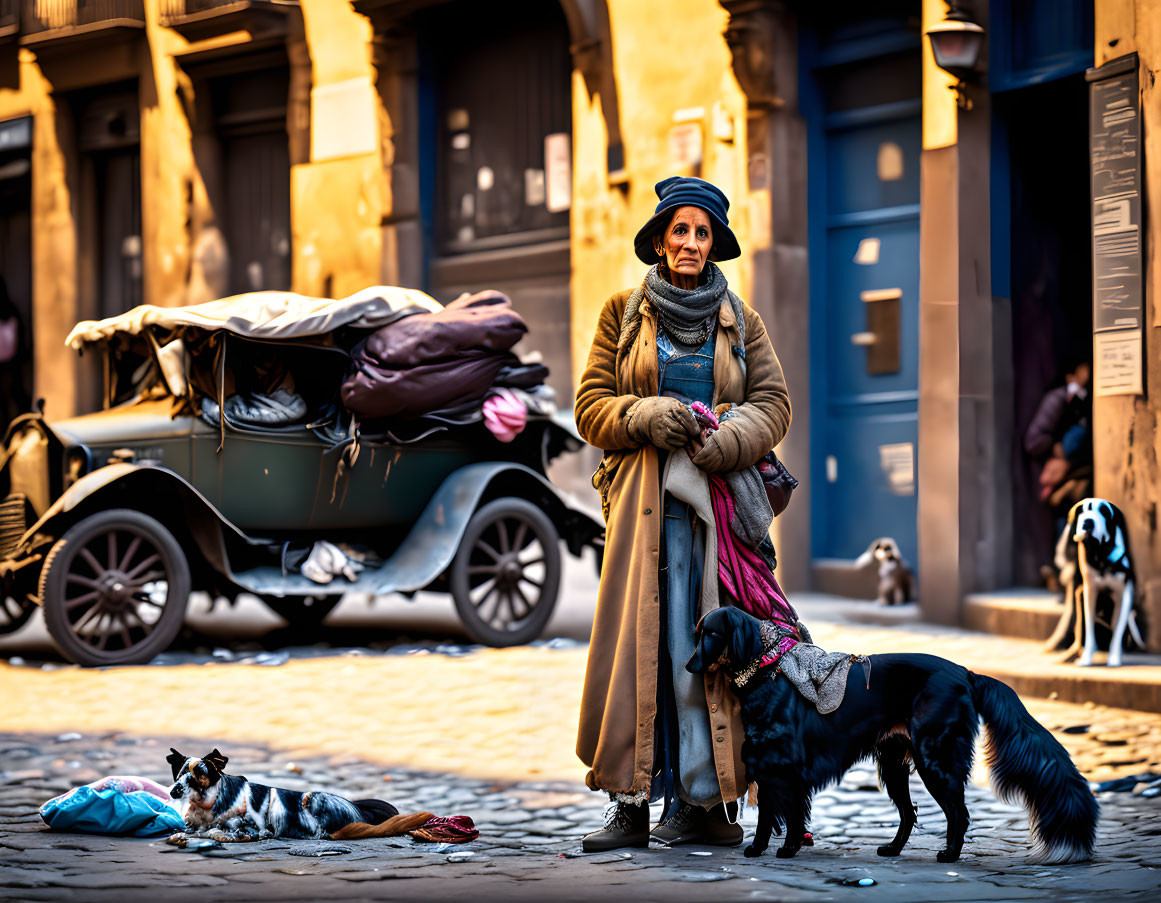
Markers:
1117,363
558,171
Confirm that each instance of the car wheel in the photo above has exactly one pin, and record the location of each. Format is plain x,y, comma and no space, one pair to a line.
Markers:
302,611
14,613
506,574
114,589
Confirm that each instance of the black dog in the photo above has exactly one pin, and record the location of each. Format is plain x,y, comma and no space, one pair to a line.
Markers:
911,706
229,808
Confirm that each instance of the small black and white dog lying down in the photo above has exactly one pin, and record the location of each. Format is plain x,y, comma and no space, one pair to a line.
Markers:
229,808
913,707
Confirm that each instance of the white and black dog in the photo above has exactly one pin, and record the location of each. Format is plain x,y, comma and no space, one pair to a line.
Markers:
1092,557
894,575
229,808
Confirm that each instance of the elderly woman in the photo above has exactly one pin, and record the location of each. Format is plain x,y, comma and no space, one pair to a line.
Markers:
649,729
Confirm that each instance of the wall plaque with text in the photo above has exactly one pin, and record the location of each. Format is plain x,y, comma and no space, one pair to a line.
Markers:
1118,262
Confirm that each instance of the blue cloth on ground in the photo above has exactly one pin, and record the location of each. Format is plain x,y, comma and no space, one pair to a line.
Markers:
111,811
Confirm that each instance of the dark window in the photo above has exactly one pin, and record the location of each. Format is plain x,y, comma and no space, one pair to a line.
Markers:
503,121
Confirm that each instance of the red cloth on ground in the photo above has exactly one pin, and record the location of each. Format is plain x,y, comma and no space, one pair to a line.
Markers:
450,829
742,571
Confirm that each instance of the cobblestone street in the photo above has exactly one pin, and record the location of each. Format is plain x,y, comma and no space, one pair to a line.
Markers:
529,844
489,733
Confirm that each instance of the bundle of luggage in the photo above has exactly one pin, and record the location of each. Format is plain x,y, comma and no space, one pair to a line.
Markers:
427,369
451,366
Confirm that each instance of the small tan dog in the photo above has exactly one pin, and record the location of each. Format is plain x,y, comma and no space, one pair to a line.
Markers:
894,574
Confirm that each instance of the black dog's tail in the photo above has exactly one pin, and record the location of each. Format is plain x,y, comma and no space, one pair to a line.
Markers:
1028,765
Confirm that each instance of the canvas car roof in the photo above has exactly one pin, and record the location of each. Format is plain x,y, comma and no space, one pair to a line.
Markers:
261,315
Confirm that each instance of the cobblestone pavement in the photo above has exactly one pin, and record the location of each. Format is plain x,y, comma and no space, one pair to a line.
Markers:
490,733
529,844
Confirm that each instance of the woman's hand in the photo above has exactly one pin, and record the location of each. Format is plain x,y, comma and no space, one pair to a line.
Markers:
662,421
719,450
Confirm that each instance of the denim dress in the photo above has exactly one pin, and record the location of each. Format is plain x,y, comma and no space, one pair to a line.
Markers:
683,761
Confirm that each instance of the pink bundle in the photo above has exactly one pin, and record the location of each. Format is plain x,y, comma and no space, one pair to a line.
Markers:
450,829
744,574
505,415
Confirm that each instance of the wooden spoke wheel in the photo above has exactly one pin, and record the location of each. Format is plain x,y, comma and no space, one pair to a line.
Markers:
506,575
114,589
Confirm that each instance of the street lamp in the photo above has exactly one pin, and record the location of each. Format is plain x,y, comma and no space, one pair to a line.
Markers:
956,43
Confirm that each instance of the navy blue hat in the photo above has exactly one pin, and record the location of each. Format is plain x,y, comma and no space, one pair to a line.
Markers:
686,191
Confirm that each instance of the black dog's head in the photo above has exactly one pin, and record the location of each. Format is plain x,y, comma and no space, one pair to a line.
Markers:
726,636
195,777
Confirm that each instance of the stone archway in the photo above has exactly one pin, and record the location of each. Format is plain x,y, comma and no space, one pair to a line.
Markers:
592,54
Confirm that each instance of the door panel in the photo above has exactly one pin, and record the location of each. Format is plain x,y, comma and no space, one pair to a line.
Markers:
867,308
258,176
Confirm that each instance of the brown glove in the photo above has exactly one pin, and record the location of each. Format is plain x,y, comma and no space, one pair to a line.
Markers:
662,421
720,452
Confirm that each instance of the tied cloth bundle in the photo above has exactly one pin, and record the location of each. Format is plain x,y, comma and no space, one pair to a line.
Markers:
743,572
449,829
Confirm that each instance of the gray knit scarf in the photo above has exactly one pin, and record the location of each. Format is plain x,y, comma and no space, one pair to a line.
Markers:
688,315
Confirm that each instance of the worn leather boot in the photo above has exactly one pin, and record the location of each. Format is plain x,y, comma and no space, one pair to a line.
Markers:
719,830
692,824
686,825
625,826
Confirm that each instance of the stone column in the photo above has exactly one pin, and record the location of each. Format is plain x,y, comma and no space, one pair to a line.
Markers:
68,384
1126,440
396,63
963,450
763,40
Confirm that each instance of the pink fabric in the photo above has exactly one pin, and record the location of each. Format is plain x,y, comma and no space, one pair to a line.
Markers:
742,571
771,658
505,415
450,829
129,784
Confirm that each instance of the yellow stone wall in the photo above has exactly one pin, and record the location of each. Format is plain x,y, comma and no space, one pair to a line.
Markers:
668,56
338,198
338,190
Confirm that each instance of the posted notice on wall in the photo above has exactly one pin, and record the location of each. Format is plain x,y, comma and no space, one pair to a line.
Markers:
1117,250
1117,362
558,172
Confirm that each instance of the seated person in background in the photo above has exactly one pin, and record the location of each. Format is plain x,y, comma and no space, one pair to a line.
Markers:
1059,439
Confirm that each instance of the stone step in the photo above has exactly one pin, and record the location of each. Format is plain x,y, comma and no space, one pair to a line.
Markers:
1027,613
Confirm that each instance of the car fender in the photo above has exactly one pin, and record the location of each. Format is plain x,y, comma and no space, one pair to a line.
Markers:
433,541
124,475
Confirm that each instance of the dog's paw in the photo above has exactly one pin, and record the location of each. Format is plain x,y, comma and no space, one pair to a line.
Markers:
786,852
180,839
889,849
946,856
752,852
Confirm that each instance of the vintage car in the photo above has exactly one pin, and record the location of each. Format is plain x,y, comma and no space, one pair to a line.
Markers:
109,520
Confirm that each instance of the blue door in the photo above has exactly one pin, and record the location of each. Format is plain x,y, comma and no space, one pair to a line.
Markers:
865,142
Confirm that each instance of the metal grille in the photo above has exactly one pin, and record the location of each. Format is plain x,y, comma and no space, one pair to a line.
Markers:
13,522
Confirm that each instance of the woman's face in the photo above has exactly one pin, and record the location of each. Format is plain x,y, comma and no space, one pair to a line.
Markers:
687,241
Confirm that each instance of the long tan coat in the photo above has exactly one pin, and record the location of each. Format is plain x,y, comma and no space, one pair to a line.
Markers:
620,693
